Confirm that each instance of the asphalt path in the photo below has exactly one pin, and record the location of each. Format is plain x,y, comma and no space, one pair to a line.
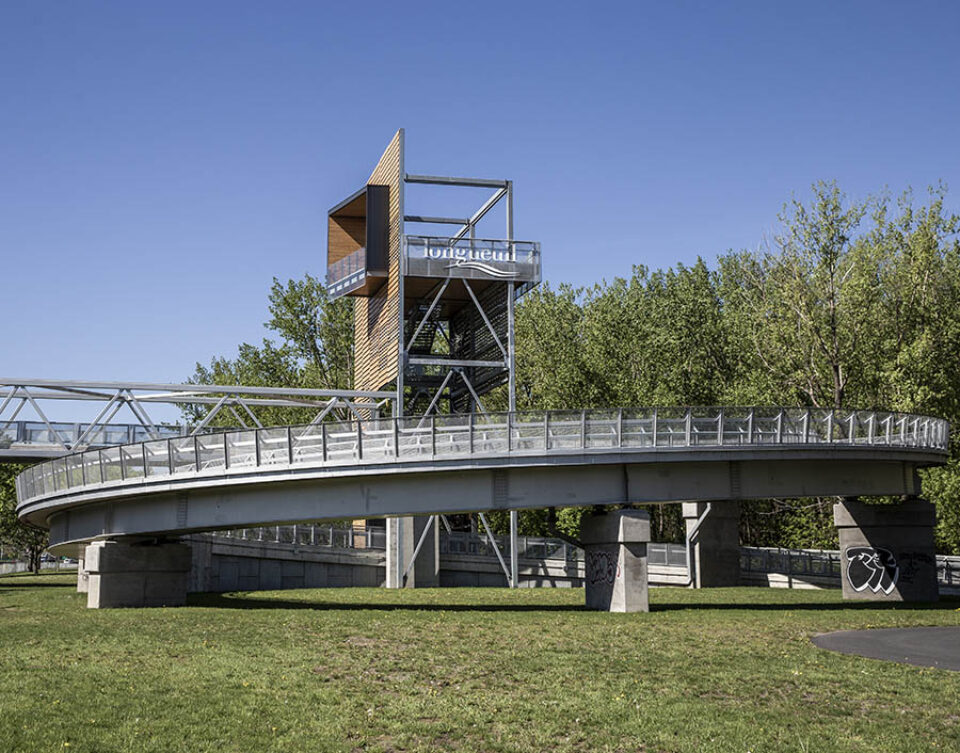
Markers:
924,647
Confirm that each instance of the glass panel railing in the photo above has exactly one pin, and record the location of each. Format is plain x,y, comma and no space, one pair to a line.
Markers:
345,274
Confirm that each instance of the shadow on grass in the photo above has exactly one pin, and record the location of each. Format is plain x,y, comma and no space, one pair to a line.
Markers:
22,584
950,603
228,601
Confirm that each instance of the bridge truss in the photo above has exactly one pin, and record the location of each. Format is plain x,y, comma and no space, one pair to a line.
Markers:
43,436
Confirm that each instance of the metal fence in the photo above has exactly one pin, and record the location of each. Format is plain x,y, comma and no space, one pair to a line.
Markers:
820,563
469,435
528,547
311,536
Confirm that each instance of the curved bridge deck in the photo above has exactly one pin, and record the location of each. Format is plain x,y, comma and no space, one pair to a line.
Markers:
526,459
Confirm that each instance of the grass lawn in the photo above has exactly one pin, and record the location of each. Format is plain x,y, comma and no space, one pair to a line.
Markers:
460,669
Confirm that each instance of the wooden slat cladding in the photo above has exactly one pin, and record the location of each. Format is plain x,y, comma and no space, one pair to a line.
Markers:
376,319
344,236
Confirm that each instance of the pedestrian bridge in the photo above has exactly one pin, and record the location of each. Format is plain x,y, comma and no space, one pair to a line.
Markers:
459,463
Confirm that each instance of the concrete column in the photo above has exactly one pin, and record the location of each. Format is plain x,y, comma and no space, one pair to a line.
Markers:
125,574
887,551
716,543
403,534
615,545
83,578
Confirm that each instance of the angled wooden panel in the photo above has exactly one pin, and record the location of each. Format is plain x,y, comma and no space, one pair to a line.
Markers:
376,319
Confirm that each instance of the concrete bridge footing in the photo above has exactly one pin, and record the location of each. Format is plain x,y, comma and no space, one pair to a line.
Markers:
715,543
887,551
137,574
615,545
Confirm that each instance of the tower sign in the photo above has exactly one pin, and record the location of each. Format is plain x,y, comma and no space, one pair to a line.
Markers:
433,317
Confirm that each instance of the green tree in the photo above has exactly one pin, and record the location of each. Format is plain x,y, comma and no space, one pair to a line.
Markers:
315,350
29,542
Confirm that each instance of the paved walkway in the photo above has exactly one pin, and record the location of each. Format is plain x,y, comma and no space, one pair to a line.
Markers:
924,647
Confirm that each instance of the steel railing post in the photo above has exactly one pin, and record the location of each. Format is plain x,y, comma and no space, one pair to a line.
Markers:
433,435
470,432
620,428
226,452
780,427
750,426
196,454
688,427
290,445
546,430
170,463
256,447
720,428
655,427
806,426
143,453
359,439
396,436
324,450
830,427
583,430
100,463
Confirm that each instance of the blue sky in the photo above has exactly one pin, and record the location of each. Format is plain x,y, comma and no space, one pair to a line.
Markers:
161,162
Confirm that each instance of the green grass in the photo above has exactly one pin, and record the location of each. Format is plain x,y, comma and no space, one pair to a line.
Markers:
462,670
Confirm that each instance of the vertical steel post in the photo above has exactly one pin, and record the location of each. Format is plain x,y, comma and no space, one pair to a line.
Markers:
655,427
620,428
720,428
512,388
226,452
290,445
359,440
323,442
514,554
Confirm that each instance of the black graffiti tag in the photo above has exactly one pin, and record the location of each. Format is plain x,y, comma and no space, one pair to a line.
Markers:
873,568
602,567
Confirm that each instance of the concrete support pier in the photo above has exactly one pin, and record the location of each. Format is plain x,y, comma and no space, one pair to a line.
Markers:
403,537
122,574
887,551
715,544
83,577
615,545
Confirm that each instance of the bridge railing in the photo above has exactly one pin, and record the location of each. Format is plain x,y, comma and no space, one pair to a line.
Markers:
453,436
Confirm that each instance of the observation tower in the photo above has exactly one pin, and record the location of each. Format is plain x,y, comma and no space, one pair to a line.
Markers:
434,312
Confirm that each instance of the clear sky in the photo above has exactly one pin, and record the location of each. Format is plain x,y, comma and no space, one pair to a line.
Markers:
161,162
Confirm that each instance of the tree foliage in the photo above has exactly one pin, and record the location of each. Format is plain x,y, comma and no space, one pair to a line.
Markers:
26,541
849,304
315,350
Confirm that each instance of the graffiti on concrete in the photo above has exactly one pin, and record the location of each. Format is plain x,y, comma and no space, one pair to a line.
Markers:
602,567
871,568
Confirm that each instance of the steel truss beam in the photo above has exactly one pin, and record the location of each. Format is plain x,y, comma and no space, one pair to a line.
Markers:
238,400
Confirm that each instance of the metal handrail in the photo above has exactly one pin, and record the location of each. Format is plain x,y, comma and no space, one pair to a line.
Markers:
402,440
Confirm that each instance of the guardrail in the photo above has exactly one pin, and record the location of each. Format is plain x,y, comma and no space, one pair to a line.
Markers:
307,535
397,440
57,433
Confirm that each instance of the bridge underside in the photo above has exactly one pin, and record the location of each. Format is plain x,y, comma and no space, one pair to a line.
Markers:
513,483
